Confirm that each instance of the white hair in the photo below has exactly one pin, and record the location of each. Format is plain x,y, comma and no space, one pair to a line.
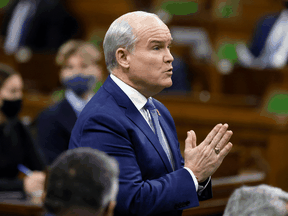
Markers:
262,200
120,34
112,192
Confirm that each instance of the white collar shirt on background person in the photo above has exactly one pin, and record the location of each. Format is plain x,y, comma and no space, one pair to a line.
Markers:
275,51
18,24
75,101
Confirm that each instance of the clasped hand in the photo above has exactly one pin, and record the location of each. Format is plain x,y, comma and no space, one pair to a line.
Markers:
35,182
202,159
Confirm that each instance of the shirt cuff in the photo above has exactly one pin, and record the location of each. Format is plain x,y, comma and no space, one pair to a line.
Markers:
193,177
203,185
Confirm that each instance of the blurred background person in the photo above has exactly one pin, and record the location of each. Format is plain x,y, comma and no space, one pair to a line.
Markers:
82,181
79,74
16,144
269,45
39,25
262,200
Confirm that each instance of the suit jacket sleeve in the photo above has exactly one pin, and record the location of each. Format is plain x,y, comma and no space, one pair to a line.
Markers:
49,136
54,127
138,195
35,158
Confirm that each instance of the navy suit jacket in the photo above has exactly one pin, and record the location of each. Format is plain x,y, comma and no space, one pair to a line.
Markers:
148,186
54,127
261,33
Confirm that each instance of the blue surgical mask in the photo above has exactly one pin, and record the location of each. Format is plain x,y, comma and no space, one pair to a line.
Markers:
80,83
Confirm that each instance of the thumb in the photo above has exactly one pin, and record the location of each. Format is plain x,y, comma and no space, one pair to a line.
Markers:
194,139
190,141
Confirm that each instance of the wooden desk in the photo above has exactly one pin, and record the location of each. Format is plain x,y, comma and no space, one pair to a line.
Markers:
252,133
10,206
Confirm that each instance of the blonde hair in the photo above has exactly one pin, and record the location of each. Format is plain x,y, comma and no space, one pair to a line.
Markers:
84,49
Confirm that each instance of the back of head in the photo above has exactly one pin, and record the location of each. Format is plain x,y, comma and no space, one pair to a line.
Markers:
82,178
262,200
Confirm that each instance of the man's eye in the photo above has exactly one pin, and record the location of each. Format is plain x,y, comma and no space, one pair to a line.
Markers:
156,48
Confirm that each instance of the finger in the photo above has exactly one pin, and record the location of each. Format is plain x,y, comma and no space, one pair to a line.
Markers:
212,134
223,153
224,140
194,139
188,140
219,136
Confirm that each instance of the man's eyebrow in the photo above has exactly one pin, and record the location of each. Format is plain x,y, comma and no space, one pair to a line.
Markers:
160,42
156,41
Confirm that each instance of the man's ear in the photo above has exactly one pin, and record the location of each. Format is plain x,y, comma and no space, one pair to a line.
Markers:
122,57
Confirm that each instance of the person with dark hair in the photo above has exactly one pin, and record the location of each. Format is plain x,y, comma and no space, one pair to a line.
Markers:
80,72
16,145
125,121
82,181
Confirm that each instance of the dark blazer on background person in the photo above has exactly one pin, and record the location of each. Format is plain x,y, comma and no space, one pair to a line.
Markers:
49,28
54,126
261,33
148,186
17,147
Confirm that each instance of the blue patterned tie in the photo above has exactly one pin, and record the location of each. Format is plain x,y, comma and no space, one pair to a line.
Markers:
155,120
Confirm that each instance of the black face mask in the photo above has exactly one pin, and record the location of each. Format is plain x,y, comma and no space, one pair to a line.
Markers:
11,108
286,4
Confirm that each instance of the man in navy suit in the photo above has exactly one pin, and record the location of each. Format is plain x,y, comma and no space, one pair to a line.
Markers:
154,179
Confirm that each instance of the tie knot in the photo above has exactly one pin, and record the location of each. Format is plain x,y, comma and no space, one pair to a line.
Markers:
149,105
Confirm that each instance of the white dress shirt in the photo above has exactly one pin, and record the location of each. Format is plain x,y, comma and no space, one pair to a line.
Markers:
75,101
21,13
275,51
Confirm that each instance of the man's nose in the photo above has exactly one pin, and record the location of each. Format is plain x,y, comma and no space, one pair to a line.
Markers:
168,57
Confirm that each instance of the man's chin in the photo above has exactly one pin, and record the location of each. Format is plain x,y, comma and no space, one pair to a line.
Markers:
169,84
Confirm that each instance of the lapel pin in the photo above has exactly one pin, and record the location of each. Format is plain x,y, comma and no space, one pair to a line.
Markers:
158,112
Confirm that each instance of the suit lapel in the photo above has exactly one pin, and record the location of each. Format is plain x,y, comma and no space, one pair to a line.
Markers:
68,118
135,116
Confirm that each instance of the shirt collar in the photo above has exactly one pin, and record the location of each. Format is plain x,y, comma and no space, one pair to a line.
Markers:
136,97
76,102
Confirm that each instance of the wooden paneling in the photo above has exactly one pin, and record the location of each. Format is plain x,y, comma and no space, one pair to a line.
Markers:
256,138
95,15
